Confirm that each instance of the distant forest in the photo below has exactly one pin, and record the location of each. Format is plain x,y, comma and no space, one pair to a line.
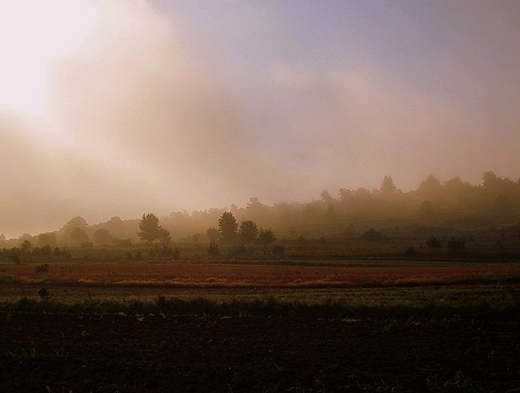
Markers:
435,207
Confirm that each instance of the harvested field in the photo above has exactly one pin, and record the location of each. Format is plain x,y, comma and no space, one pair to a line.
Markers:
255,275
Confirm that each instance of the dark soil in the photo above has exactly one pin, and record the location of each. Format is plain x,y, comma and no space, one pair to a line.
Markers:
117,353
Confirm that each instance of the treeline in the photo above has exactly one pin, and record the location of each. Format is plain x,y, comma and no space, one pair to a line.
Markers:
434,207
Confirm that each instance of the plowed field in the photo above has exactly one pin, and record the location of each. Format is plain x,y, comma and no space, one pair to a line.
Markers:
118,353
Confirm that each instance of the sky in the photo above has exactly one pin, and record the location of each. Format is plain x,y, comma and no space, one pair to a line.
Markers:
121,107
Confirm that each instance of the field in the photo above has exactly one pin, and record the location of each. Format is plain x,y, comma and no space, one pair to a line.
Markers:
300,326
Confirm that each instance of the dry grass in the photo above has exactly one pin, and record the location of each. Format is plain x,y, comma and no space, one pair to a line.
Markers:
248,275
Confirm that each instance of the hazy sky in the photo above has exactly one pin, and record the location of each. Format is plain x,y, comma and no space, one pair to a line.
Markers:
116,108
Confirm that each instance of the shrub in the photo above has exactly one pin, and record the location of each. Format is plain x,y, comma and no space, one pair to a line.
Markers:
410,252
456,244
213,249
16,259
433,242
239,250
372,234
44,294
42,268
278,250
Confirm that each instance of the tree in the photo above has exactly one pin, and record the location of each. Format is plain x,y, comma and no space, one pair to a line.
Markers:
79,235
26,246
266,237
256,210
213,249
372,234
76,230
76,222
388,185
227,227
430,188
456,244
502,206
47,239
213,234
427,211
164,235
490,181
331,217
346,194
150,230
326,197
433,242
102,236
248,231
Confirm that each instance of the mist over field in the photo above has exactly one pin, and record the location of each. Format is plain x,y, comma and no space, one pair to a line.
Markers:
116,108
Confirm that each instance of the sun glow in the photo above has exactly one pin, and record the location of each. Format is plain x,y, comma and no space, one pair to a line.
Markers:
34,34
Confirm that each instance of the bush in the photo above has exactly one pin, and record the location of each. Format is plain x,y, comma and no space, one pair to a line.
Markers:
278,250
372,234
44,294
42,268
433,242
457,244
237,251
213,249
16,259
410,252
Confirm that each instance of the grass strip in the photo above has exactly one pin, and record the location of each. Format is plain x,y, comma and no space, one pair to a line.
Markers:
268,307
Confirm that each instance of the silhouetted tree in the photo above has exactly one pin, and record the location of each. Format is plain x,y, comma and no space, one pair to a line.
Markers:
346,194
266,237
227,227
254,202
102,236
430,188
47,239
433,242
331,217
164,235
502,206
213,249
213,234
326,197
372,234
76,222
427,211
26,246
256,210
278,250
248,231
456,244
149,228
79,235
75,229
388,185
490,181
